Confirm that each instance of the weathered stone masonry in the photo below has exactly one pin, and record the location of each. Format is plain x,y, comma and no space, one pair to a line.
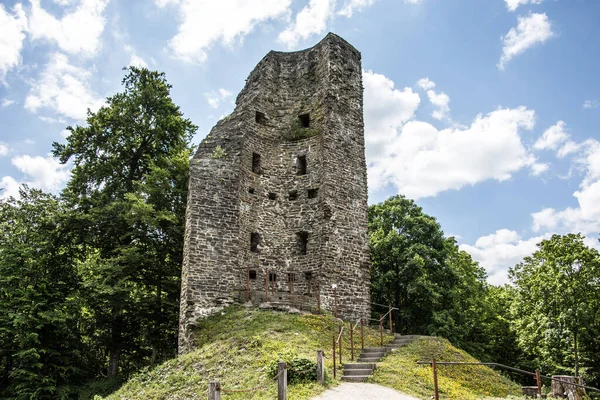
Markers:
279,187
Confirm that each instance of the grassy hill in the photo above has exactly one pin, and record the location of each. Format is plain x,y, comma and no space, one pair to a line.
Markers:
400,371
240,347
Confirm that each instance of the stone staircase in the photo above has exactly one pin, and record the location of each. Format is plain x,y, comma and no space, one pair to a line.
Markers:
368,359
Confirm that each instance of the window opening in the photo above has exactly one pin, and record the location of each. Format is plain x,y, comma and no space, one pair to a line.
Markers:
272,277
252,274
256,163
293,195
312,193
272,196
254,242
251,190
291,277
301,165
302,239
260,118
304,120
308,275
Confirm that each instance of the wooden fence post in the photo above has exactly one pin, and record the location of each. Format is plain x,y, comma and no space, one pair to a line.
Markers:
435,383
320,367
381,331
340,337
267,287
391,328
351,342
362,335
282,381
334,356
538,380
214,390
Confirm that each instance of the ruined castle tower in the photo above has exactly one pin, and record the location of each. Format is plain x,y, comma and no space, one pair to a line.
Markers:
277,206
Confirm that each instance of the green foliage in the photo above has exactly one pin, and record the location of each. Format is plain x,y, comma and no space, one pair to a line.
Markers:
41,349
239,348
298,132
401,371
556,306
299,369
218,152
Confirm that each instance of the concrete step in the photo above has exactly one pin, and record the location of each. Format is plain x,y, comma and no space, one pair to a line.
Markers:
359,366
369,359
373,349
354,378
358,372
373,355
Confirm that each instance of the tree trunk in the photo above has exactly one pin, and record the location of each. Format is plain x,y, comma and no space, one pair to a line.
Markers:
115,343
564,390
575,350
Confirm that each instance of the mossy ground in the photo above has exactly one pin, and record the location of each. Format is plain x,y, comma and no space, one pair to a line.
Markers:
236,348
400,371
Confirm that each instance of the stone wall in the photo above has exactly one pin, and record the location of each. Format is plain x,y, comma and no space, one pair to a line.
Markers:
278,192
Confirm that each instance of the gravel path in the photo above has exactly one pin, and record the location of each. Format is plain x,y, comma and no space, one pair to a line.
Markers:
362,391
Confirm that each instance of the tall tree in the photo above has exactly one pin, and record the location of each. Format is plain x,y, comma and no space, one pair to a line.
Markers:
128,192
556,302
40,345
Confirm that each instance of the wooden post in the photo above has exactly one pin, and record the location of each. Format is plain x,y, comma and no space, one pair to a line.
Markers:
214,390
351,342
293,277
319,297
267,287
282,381
334,356
362,335
335,310
538,380
248,283
391,329
381,331
435,383
340,337
320,367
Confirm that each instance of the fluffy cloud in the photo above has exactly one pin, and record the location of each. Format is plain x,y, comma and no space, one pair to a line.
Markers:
12,33
590,104
64,89
552,137
6,102
214,98
512,5
77,32
421,161
225,21
3,149
352,5
311,20
386,109
441,101
586,217
136,61
530,30
499,251
538,169
425,84
45,173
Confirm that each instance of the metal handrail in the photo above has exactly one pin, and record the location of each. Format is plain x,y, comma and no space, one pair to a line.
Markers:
357,322
340,335
507,367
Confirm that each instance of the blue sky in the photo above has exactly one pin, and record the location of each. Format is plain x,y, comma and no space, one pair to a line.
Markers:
485,112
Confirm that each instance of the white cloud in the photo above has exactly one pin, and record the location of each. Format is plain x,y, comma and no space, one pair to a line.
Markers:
412,1
7,102
426,84
499,251
45,173
214,98
77,32
12,33
386,109
552,137
164,3
590,104
352,5
539,168
64,89
441,101
312,19
136,61
9,187
422,161
3,149
568,148
585,218
512,5
225,21
531,30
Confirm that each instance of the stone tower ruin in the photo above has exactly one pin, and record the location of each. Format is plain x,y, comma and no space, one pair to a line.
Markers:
277,206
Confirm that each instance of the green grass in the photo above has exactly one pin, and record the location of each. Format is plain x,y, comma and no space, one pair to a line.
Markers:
237,348
400,371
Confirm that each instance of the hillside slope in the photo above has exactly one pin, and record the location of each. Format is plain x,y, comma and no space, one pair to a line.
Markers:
400,371
240,347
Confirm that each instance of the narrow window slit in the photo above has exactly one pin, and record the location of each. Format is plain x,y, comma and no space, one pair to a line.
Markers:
301,165
304,120
293,195
251,190
256,163
272,196
260,118
252,274
312,193
272,277
254,242
302,240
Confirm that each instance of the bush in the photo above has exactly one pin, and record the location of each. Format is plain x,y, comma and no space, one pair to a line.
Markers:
299,370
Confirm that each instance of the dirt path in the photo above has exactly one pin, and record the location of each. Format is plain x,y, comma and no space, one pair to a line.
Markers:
362,391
